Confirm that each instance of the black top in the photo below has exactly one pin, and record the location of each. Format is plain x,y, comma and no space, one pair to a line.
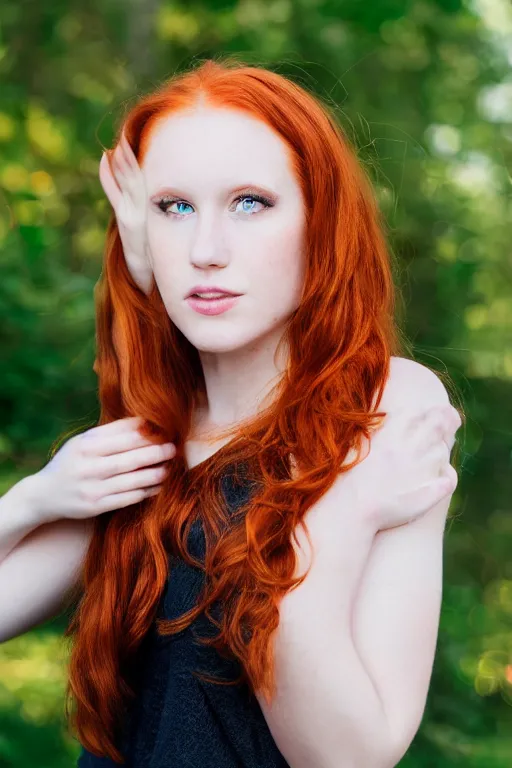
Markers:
177,719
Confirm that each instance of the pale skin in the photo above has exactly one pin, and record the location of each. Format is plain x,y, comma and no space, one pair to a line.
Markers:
356,642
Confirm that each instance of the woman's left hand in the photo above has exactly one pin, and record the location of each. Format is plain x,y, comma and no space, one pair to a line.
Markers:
407,470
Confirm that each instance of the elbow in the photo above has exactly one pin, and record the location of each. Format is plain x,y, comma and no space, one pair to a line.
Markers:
395,747
377,749
372,752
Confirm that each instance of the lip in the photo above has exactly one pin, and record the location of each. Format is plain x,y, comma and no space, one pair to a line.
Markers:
210,289
212,306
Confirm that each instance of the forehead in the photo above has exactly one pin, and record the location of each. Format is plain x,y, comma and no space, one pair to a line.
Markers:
215,146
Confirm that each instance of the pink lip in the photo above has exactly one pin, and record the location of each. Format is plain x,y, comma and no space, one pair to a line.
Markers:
211,306
211,289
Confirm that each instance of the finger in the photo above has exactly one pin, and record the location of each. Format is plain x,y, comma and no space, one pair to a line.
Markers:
450,440
126,499
117,446
129,154
131,460
432,493
423,432
417,417
451,476
410,423
131,481
128,178
456,420
109,183
132,179
121,167
450,423
434,430
439,489
434,424
455,425
112,428
116,437
123,149
439,455
118,426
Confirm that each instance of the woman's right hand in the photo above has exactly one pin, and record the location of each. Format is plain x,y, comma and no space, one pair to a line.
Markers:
107,467
123,183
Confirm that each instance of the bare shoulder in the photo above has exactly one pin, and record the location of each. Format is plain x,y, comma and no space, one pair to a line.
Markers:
412,384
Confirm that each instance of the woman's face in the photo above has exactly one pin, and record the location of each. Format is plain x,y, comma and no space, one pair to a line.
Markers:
204,171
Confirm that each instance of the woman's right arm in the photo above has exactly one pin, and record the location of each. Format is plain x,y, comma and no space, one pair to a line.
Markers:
40,562
46,519
45,526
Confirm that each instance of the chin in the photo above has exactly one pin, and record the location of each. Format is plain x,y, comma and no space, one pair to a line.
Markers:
220,341
218,346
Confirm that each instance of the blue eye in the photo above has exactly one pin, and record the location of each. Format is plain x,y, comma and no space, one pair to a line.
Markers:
244,200
253,199
165,203
178,203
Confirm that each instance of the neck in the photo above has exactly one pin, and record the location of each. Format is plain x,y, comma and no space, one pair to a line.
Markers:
238,383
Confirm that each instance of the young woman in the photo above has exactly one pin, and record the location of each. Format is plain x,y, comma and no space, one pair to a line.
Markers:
267,592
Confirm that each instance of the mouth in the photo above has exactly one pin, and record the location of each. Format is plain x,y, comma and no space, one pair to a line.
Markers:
213,305
211,292
212,295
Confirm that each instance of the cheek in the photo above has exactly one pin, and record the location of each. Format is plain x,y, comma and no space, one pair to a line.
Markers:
156,246
164,255
285,263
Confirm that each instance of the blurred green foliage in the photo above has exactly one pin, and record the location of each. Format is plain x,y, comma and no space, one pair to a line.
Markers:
423,89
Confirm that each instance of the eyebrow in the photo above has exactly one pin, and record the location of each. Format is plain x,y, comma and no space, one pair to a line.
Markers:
174,191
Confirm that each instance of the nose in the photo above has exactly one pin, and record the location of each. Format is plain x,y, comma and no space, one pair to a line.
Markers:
208,247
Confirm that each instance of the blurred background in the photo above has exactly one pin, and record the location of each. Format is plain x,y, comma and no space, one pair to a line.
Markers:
424,89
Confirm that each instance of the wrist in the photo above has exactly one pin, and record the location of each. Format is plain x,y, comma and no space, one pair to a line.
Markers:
30,497
363,500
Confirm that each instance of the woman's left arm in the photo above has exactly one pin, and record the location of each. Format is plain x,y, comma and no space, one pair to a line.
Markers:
356,641
353,664
397,607
396,619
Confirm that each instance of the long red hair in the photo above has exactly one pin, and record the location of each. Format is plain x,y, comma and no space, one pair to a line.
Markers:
339,342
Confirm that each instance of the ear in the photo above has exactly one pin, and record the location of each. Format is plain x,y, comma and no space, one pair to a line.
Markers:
108,182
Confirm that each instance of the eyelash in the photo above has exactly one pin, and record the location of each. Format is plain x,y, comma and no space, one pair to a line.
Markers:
170,200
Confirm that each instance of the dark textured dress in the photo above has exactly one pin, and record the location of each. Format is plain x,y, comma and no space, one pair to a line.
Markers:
178,720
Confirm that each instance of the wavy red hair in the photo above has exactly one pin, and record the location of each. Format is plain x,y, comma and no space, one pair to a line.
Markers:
339,343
